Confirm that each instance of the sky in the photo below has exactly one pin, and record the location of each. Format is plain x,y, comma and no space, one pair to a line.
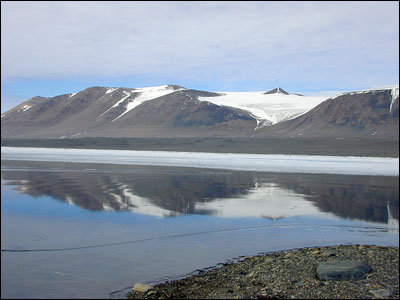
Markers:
314,48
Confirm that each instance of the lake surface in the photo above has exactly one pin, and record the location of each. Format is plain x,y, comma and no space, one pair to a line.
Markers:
82,230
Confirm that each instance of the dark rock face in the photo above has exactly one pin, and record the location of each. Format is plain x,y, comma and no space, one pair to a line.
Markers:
342,270
195,93
277,90
175,87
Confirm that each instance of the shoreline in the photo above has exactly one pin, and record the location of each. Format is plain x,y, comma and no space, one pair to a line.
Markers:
356,146
288,274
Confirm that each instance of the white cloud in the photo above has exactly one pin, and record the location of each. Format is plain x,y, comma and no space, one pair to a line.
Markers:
220,40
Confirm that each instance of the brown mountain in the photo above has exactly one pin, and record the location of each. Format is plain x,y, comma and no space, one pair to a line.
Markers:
363,113
105,112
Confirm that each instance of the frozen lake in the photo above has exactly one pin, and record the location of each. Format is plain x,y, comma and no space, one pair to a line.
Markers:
380,166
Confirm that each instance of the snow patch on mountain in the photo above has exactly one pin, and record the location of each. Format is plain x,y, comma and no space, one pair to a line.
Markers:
146,94
25,107
110,90
127,95
267,109
395,96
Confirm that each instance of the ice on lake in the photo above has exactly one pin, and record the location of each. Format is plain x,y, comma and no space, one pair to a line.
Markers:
379,166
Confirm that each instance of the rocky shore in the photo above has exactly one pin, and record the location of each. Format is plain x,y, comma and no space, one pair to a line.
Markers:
336,272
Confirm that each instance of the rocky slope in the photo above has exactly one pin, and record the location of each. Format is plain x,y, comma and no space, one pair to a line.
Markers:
362,113
122,112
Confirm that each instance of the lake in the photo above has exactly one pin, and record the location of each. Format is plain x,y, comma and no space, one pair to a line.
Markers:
90,230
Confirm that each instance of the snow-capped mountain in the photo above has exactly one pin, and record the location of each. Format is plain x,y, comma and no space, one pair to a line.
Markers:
174,111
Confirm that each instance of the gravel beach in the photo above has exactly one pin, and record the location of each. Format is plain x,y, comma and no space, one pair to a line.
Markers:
290,274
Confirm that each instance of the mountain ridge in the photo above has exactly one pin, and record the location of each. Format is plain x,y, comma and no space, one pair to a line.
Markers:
174,111
359,113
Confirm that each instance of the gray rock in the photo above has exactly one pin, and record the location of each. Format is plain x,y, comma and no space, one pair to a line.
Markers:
381,293
342,270
328,253
299,283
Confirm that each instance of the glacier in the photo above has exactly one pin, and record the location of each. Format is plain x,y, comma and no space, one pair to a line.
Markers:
278,163
273,108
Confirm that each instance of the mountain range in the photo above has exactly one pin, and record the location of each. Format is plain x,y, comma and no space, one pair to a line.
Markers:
174,111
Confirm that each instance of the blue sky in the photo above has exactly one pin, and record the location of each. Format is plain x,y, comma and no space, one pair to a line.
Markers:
51,48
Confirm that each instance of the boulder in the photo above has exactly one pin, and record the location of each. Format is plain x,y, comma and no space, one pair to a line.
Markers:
342,270
381,293
141,288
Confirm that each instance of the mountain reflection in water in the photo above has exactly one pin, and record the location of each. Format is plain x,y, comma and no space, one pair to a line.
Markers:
166,192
